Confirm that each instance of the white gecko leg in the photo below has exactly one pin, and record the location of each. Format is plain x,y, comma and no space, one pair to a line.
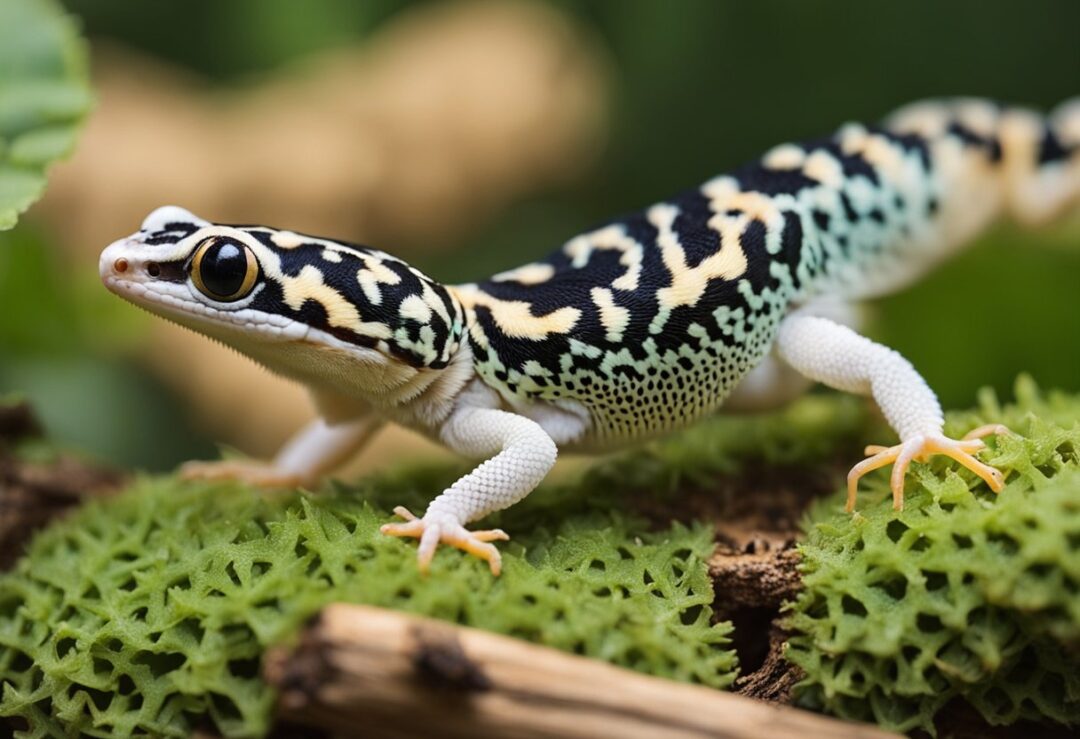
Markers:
317,449
773,382
520,454
835,355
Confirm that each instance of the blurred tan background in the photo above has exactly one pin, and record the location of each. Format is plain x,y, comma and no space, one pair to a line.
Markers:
471,136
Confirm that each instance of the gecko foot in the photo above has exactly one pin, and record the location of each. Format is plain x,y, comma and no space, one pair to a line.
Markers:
919,449
258,474
447,531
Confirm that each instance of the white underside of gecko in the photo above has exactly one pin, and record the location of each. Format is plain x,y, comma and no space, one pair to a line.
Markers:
738,292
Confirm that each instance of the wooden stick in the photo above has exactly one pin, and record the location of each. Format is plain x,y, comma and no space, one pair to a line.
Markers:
374,672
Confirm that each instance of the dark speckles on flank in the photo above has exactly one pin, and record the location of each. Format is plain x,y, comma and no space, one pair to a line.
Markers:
674,362
821,219
791,244
849,209
852,165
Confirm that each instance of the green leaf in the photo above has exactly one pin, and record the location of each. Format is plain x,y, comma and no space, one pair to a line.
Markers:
44,97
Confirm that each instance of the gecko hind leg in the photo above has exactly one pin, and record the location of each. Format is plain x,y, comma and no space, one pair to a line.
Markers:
834,354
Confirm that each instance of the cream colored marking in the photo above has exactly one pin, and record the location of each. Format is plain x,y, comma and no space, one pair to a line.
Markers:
1036,194
1066,121
719,188
287,239
614,318
726,196
755,205
979,116
823,167
851,137
372,274
887,158
307,285
415,308
514,318
529,274
927,119
688,284
331,256
291,240
784,156
580,248
434,303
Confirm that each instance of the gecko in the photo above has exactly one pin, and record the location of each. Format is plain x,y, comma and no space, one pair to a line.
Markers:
735,295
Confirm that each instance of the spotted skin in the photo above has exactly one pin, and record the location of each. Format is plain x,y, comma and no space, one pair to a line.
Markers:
637,327
665,310
359,295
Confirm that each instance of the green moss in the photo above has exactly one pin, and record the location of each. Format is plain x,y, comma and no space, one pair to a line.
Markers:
964,594
147,613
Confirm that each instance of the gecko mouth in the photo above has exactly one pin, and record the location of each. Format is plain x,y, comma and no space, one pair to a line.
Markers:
199,316
243,324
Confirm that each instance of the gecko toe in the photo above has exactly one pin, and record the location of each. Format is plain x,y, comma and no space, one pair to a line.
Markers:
920,449
433,532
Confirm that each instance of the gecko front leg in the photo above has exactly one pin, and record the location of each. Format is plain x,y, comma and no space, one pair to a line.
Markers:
835,355
519,454
317,449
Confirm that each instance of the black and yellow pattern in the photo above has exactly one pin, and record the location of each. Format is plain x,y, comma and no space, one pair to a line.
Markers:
650,320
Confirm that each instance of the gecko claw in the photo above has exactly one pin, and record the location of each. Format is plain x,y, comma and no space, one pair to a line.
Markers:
919,449
445,530
989,429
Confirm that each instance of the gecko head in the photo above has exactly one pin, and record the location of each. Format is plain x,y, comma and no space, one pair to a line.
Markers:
257,288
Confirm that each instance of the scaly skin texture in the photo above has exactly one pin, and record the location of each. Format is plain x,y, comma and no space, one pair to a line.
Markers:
741,287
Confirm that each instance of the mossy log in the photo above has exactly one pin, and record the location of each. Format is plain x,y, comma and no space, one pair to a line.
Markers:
395,675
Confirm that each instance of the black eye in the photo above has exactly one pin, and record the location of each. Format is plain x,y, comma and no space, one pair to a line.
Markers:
224,269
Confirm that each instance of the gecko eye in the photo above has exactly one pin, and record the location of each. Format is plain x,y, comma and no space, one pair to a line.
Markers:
224,269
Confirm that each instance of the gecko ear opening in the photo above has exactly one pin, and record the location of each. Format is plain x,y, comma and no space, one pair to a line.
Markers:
224,269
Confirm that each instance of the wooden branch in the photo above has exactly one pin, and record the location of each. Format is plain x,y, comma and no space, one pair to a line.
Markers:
374,672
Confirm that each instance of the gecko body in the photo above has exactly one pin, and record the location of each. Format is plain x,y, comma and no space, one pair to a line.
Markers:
734,293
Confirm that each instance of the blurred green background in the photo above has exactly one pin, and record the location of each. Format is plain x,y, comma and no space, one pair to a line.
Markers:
696,87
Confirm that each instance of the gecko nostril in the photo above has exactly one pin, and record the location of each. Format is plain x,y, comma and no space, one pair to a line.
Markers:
120,265
153,269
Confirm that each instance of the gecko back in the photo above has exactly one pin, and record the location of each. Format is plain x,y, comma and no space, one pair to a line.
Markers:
650,320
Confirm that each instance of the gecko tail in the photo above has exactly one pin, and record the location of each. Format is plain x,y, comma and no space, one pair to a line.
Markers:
1034,159
1042,162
